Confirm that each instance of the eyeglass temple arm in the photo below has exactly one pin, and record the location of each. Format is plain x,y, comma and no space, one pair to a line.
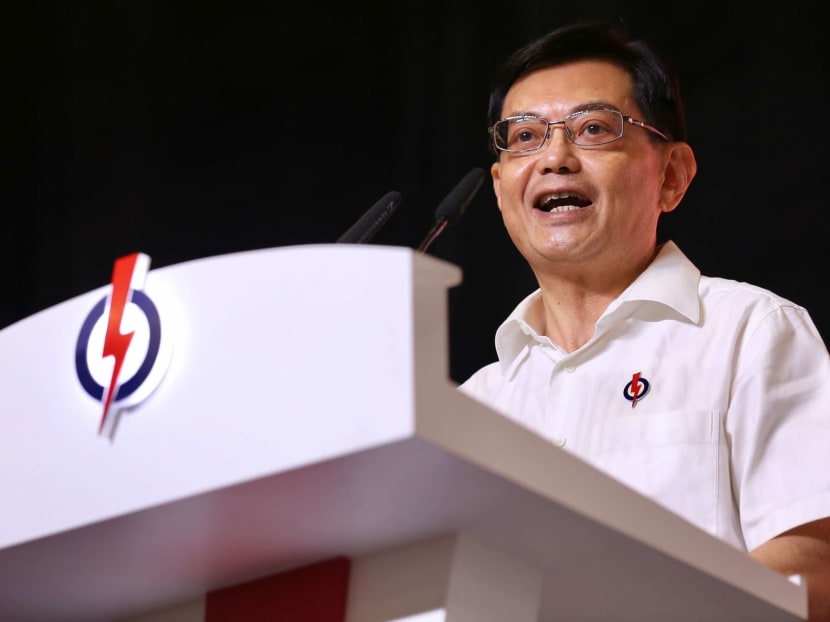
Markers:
645,126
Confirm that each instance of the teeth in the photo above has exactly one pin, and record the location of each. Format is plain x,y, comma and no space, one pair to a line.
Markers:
578,202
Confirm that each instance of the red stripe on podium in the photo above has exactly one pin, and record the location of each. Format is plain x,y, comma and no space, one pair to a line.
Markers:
314,593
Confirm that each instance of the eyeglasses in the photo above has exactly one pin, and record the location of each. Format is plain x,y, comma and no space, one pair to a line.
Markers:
585,128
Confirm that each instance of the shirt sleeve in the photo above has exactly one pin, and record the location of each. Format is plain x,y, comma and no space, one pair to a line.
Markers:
778,425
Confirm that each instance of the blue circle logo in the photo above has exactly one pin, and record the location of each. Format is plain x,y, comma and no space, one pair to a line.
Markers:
130,386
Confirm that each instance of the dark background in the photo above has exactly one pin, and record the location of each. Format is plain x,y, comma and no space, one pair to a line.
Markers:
186,130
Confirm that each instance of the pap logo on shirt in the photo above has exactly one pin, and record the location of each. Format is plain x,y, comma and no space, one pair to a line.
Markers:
637,389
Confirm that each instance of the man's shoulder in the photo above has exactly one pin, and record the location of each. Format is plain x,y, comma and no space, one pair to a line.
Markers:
742,295
483,382
752,312
711,289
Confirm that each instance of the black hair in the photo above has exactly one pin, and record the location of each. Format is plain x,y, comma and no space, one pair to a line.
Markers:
655,85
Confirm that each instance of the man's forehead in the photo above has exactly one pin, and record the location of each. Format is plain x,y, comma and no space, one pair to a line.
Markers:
570,87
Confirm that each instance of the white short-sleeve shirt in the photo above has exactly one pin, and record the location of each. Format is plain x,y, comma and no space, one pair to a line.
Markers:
708,395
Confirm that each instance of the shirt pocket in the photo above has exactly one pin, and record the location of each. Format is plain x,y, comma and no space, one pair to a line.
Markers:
671,457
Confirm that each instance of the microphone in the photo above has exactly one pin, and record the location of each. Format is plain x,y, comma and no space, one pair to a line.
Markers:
370,223
453,206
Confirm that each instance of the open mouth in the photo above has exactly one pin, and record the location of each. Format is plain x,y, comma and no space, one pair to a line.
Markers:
561,202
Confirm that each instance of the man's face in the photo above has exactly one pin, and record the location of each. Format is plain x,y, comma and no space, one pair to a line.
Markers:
617,186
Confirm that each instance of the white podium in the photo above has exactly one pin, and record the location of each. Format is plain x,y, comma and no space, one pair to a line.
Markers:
307,413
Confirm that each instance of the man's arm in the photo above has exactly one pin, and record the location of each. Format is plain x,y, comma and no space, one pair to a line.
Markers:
804,550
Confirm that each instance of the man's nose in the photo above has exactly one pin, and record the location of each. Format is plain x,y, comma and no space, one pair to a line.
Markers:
558,152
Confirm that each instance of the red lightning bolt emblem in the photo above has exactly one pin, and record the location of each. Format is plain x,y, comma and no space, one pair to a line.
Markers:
635,388
127,273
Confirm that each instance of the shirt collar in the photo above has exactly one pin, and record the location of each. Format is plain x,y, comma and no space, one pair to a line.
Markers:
670,280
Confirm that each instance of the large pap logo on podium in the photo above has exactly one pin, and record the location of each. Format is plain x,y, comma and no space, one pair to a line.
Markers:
122,352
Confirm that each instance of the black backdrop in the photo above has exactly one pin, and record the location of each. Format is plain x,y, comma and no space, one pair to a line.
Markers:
185,130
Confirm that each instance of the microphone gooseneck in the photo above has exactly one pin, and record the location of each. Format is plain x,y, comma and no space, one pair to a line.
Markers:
453,206
370,223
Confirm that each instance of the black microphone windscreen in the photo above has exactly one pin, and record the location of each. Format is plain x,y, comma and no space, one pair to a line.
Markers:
454,204
368,225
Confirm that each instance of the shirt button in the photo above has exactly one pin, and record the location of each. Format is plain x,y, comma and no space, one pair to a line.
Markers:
569,368
559,441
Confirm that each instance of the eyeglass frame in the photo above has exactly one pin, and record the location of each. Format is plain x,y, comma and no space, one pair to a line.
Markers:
624,118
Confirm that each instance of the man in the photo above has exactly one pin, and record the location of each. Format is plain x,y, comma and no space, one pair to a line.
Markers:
708,395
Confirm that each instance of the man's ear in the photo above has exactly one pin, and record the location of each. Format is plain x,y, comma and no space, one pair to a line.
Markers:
681,167
495,173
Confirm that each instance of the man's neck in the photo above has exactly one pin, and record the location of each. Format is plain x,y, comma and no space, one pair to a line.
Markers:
572,302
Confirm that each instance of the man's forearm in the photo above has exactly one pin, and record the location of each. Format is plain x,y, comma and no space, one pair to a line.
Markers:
804,551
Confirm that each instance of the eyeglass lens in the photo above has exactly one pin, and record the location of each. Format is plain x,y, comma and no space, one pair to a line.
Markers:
586,128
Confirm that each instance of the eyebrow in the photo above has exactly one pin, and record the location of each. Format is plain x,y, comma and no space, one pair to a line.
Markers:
587,106
594,106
